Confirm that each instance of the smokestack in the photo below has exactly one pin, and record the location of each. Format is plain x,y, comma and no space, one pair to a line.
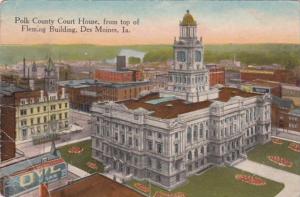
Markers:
42,94
24,67
121,63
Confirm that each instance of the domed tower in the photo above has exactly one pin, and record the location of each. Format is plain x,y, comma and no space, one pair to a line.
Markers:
51,77
188,77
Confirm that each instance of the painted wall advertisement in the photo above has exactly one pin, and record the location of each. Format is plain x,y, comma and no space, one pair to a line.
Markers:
31,178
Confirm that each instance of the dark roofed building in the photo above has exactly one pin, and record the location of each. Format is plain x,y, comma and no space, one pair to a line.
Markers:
82,93
95,185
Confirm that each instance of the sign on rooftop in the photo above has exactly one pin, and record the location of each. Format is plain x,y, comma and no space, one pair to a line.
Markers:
30,178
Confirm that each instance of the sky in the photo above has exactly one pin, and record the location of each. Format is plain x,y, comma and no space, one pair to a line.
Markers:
219,22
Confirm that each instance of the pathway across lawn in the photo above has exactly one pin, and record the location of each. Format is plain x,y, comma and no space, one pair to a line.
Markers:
221,182
82,159
291,181
261,152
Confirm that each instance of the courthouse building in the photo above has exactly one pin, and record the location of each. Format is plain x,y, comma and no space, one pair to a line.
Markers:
167,136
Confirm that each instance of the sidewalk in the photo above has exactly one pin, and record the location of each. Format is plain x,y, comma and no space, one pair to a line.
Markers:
77,171
288,136
291,181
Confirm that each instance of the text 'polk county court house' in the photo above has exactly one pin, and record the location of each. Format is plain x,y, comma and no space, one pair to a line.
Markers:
167,136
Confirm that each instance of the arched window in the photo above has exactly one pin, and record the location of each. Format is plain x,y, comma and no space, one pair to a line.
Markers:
195,132
190,157
189,135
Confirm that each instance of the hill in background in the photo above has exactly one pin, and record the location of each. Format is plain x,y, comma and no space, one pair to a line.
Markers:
256,54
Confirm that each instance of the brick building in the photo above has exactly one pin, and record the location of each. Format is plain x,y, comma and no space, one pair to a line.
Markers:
279,75
7,114
82,93
285,115
112,75
216,75
118,74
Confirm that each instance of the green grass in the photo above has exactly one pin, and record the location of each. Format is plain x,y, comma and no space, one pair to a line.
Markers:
80,160
221,182
256,54
260,153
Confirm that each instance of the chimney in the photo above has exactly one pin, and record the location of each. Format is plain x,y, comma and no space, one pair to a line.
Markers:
121,63
42,94
63,92
44,190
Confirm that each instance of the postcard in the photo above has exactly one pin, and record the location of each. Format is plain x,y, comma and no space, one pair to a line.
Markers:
162,98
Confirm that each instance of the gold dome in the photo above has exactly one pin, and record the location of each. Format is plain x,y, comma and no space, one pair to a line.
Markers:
188,20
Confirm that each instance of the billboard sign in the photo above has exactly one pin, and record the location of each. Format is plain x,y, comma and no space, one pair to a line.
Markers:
31,178
261,90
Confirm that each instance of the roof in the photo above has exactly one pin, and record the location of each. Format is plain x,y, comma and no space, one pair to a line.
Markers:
295,111
188,20
89,82
9,89
95,185
171,108
265,83
226,93
282,102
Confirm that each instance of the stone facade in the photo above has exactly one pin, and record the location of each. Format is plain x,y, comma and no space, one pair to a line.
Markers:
166,137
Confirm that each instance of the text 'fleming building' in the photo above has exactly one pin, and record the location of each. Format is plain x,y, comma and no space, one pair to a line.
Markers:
167,136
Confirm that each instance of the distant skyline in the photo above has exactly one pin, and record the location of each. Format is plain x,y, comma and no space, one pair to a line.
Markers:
219,22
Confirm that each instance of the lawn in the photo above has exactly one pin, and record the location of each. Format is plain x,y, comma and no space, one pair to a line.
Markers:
221,182
260,153
79,160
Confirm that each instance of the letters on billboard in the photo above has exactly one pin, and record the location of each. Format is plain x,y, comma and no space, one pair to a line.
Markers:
31,178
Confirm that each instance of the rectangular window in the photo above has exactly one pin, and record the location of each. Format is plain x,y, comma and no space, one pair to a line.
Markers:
123,139
66,105
45,108
59,105
38,109
159,148
23,112
38,120
31,110
150,145
66,114
130,141
176,148
23,122
159,135
52,107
